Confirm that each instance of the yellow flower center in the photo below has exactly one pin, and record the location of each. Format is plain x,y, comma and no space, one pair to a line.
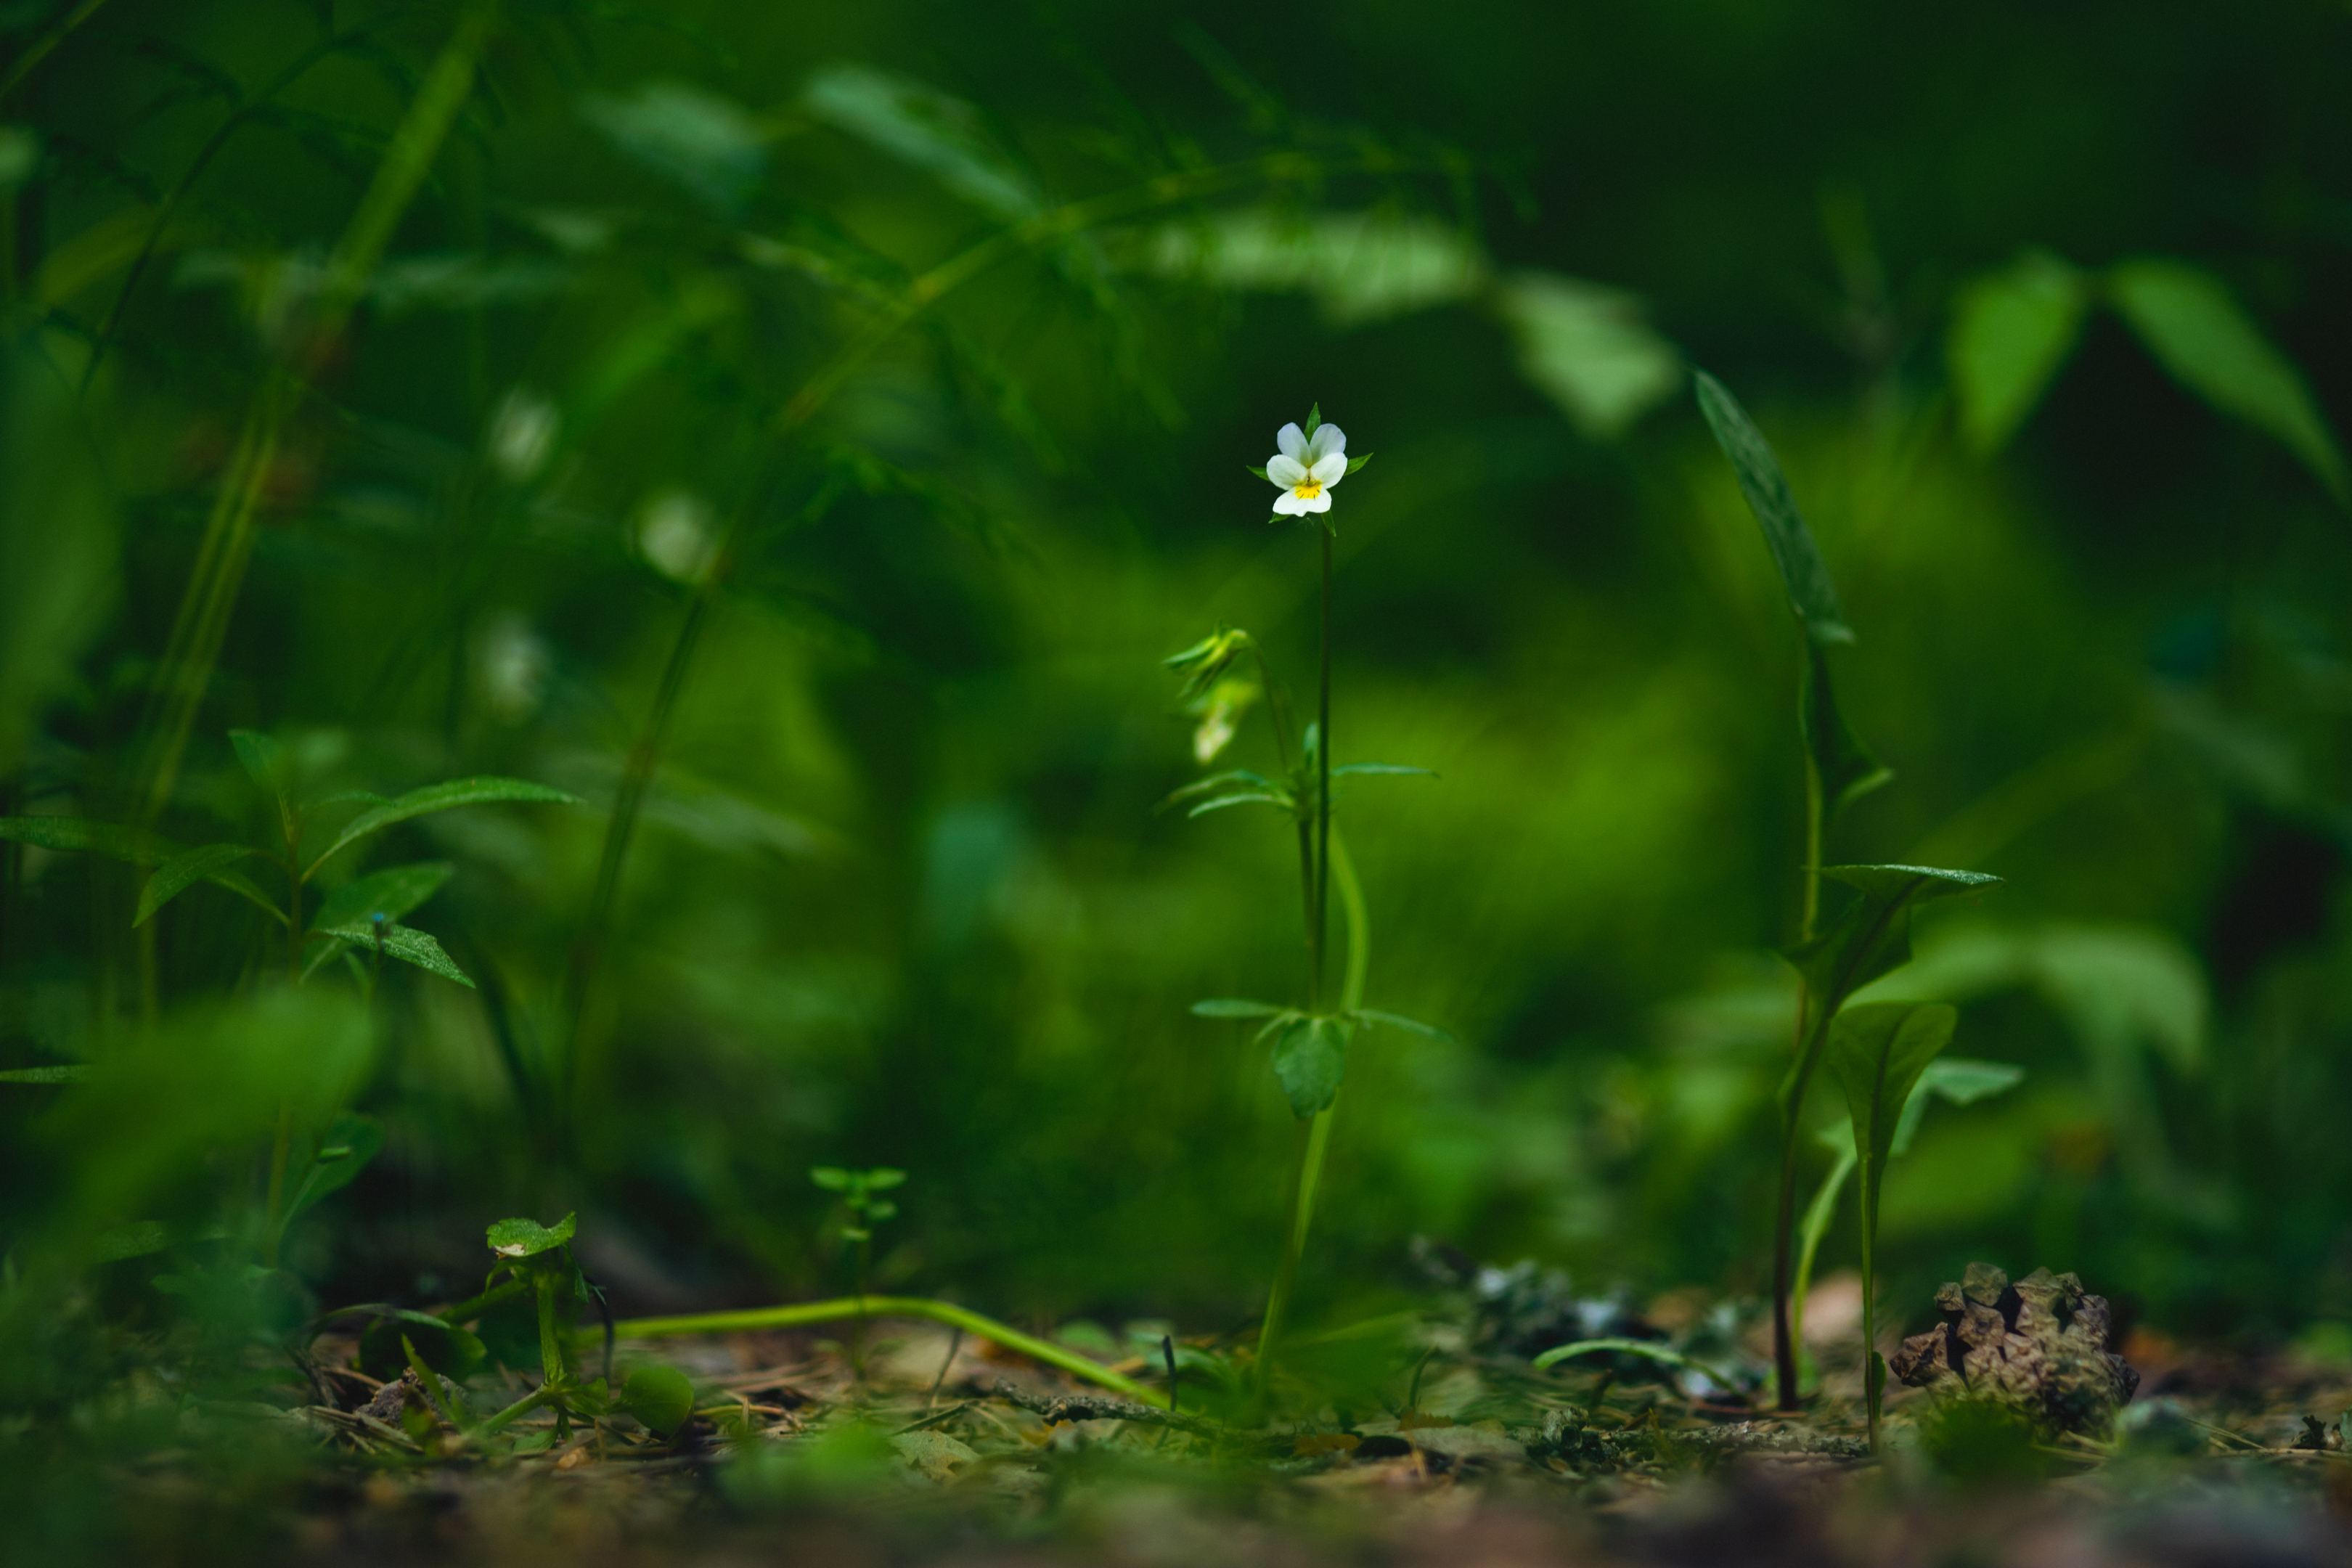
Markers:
1308,489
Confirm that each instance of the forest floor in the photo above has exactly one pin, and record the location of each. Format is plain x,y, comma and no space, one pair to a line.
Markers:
940,1450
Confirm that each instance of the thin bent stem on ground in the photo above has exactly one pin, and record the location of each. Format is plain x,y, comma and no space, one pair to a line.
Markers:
756,1319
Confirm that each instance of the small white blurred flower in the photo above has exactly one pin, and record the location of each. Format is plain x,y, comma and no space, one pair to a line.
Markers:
513,663
1215,733
1307,468
676,533
522,435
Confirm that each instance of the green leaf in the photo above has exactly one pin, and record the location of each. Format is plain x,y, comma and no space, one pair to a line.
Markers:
1260,473
2010,332
1358,266
832,1178
391,892
1588,348
1310,1057
1873,934
529,1238
182,871
438,797
75,1073
1217,782
1228,1007
1665,1355
403,942
1398,1021
456,1353
265,762
661,1397
882,1178
1960,1080
1810,591
1395,770
1877,1051
2206,342
710,146
349,1143
1843,768
1355,463
1254,798
925,128
135,845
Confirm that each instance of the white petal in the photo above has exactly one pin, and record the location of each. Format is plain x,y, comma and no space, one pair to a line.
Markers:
1284,471
1328,438
1292,440
1330,471
1322,503
1288,504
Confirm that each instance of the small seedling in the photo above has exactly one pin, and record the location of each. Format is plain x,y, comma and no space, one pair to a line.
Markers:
865,1212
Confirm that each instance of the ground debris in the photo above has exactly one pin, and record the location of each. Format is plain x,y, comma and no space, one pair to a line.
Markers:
2039,1344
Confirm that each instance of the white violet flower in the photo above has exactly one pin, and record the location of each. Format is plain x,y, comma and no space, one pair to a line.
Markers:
1307,468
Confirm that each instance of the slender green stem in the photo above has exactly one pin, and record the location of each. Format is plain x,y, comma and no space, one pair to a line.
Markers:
542,1394
1818,1215
802,1316
466,1311
38,49
1810,1032
550,1345
1323,785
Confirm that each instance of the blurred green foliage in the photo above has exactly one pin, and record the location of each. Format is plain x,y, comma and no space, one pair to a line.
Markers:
2034,303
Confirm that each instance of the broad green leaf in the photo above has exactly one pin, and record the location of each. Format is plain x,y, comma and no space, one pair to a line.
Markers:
73,1073
1589,349
1310,1057
661,1397
926,128
265,764
1873,934
438,797
2204,338
1398,1021
1227,1007
1810,591
1878,1052
403,942
135,845
2012,330
1358,267
1960,1080
390,892
529,1238
349,1143
2123,988
882,1178
832,1178
1843,768
710,146
140,1238
182,871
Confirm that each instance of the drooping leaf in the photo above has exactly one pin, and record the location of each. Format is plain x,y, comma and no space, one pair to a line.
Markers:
926,128
710,146
349,1143
438,798
1842,767
1253,797
1310,1057
2201,335
1398,1021
1873,934
528,1237
1878,1052
135,845
390,892
403,942
1589,349
182,871
1228,1007
2012,330
661,1397
1810,591
1960,1080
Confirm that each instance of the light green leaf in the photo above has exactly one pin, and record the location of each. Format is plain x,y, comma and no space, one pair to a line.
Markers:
391,892
1810,591
349,1143
1310,1057
2010,332
265,764
1358,265
710,146
661,1397
1589,349
832,1178
2120,987
2204,338
74,1073
1228,1007
1649,1350
1398,1021
1253,798
182,871
1842,767
1353,463
926,128
438,797
529,1238
882,1178
1396,769
1873,934
1960,1080
403,942
1878,1052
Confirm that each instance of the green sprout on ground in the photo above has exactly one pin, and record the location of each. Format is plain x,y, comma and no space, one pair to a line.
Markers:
865,1211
